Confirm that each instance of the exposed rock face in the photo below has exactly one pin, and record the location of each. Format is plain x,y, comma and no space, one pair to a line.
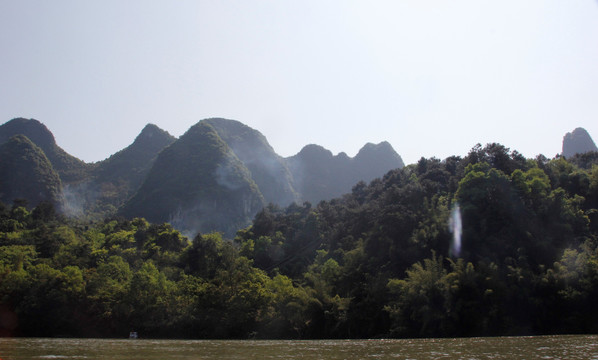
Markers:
26,173
577,142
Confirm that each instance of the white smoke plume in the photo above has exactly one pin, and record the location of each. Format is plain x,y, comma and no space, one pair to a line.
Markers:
456,228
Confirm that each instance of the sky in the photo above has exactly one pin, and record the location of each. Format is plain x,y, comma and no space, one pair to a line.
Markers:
431,77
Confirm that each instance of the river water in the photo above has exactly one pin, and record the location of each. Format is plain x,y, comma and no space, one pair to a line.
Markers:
535,347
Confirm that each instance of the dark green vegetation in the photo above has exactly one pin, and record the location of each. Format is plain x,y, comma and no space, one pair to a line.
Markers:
21,159
220,173
117,178
67,166
197,183
216,177
268,170
375,262
90,191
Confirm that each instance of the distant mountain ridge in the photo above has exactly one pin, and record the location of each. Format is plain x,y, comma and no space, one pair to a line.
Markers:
97,188
319,175
215,177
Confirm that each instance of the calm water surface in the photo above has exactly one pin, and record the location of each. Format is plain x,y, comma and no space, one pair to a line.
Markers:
540,347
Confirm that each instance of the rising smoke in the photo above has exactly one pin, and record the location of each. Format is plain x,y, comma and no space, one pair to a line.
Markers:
225,176
77,197
456,228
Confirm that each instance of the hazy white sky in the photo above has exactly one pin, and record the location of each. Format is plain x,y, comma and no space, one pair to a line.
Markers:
431,77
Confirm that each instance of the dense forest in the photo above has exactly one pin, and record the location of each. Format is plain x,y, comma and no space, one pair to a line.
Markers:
381,261
213,178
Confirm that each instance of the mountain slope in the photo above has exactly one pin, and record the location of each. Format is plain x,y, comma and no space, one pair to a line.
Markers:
68,167
320,176
375,160
268,169
26,173
577,142
215,177
117,178
130,165
197,184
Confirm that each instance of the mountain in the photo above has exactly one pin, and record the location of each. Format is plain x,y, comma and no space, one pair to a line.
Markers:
217,176
577,142
26,173
221,172
130,165
117,178
197,184
268,170
320,176
375,160
68,167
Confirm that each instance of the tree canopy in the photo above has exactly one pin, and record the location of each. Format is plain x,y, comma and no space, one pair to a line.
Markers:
379,261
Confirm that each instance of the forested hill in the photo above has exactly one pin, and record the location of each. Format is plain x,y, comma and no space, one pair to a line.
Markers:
117,178
70,168
116,184
319,175
381,261
197,183
268,170
21,159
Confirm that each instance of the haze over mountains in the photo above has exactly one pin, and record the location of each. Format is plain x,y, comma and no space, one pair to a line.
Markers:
198,183
215,177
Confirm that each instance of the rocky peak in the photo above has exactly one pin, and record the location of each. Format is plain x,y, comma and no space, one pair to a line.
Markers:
577,142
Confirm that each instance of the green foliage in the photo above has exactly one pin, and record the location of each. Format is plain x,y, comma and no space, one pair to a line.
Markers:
268,170
375,262
114,180
198,184
27,173
69,168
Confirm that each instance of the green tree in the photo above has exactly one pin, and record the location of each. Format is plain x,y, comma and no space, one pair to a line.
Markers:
149,297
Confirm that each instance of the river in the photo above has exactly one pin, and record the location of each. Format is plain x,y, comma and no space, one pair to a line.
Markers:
534,347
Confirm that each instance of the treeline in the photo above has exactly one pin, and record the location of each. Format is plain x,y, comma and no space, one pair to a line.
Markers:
378,262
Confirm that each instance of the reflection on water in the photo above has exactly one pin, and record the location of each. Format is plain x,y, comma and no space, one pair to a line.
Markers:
540,347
